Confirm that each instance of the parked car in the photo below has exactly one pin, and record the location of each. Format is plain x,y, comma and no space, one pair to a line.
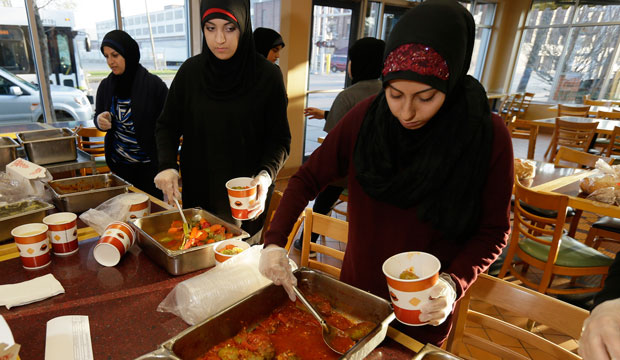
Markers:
20,101
338,63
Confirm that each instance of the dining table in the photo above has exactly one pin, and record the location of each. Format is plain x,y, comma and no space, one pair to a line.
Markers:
594,109
565,181
120,302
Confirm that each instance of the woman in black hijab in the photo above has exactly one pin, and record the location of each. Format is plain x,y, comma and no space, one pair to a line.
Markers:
229,105
128,103
268,43
429,169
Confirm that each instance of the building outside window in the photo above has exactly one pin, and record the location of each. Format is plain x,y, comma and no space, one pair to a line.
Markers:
569,49
484,14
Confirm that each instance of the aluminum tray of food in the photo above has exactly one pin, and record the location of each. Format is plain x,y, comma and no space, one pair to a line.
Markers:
8,151
353,303
155,238
81,193
19,213
49,146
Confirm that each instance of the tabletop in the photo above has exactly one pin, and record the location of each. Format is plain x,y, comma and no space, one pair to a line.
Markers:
604,126
566,181
594,109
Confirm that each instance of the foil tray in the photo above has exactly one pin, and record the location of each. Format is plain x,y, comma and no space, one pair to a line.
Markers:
179,262
198,339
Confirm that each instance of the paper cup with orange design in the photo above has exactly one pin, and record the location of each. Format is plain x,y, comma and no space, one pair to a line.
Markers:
410,278
140,205
226,249
33,245
62,231
117,238
242,196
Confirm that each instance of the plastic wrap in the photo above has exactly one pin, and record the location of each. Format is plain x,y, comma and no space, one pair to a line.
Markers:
11,190
525,169
114,209
206,294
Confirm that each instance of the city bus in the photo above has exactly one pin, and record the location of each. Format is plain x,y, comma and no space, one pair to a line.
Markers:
16,53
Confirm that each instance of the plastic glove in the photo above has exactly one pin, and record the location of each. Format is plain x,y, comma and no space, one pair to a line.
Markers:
104,121
274,265
600,337
263,180
314,113
442,298
168,182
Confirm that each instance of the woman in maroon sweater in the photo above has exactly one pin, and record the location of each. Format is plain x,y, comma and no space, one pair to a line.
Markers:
429,169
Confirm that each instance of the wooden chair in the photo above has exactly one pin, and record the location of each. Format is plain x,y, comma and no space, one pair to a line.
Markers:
613,148
543,309
577,159
602,141
540,242
509,107
521,129
568,110
342,199
330,227
571,134
91,140
595,102
526,100
276,197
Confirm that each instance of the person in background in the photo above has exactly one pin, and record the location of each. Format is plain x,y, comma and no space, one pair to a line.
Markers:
128,103
268,43
429,169
364,68
600,338
229,104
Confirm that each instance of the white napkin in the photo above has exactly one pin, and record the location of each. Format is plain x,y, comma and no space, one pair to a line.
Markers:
30,291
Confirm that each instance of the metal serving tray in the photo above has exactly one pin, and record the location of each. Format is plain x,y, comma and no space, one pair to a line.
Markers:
28,211
179,262
8,151
49,146
81,193
198,339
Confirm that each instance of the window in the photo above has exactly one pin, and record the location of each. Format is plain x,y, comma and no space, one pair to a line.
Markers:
484,13
160,29
160,17
178,14
169,28
265,13
569,49
169,15
178,28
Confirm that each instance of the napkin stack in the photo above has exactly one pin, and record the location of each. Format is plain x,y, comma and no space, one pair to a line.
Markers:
30,291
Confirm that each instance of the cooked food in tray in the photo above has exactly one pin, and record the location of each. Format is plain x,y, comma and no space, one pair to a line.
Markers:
199,232
80,186
291,332
21,207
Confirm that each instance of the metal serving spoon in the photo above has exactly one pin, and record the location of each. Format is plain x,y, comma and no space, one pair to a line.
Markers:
185,224
329,332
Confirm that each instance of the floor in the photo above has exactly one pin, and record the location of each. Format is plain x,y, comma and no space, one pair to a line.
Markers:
520,151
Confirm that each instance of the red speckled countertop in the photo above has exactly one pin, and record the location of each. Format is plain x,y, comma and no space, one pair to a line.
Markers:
121,303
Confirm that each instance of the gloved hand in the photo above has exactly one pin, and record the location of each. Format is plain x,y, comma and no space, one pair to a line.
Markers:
314,113
274,265
168,182
104,121
600,337
442,298
263,180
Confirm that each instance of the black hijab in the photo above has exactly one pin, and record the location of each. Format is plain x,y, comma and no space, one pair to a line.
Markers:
225,79
366,57
440,168
266,39
125,45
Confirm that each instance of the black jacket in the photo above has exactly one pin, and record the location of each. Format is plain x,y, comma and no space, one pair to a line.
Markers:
223,138
148,95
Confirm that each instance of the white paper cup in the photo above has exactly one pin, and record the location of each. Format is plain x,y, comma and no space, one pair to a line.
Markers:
62,231
33,245
117,238
140,205
242,196
220,256
408,296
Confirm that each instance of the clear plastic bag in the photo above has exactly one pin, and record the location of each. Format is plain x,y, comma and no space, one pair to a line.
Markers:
114,209
204,295
11,190
607,195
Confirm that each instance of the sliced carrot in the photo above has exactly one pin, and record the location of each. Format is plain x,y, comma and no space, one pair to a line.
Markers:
177,224
173,230
228,235
215,227
210,241
201,235
193,233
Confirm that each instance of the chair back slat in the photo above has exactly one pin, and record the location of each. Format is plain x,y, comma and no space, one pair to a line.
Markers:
327,226
577,110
